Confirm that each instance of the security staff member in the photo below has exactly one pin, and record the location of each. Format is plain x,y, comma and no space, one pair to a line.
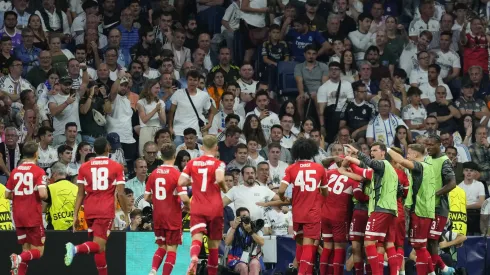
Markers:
5,214
61,199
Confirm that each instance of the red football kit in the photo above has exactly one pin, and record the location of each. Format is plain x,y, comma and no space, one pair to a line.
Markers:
162,184
24,183
206,204
100,177
400,219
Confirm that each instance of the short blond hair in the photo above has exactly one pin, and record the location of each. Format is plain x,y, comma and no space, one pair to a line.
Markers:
209,141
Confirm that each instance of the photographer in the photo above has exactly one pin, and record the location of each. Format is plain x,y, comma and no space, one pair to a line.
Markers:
137,223
245,239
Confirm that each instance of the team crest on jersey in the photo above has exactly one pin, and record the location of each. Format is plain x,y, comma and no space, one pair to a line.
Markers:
363,111
310,39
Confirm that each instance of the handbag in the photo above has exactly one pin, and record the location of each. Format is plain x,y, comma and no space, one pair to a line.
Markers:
98,118
201,122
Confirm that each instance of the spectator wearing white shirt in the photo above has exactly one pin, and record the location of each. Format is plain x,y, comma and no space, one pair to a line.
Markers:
51,19
382,127
230,23
78,25
276,136
361,38
248,85
288,137
425,21
253,151
317,137
181,53
333,95
277,168
414,114
13,83
429,89
267,117
190,144
475,190
408,59
447,140
447,58
182,114
249,193
418,76
278,222
218,125
210,58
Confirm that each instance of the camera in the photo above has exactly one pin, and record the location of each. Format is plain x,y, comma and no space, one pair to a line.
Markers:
257,225
246,219
147,215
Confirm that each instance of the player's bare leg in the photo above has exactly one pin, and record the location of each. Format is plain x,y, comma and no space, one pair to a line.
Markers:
29,253
195,250
96,247
170,251
307,260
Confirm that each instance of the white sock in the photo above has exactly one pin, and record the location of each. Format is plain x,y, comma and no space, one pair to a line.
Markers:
445,269
402,272
432,273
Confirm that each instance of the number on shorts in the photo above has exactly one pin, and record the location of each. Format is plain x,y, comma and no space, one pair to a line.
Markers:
24,181
433,225
160,191
338,186
368,226
204,172
305,183
351,228
100,178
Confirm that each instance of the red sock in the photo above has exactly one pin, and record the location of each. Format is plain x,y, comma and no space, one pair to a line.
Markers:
101,263
213,261
88,248
338,261
437,261
430,264
306,263
324,260
158,258
195,248
22,270
299,252
421,261
400,253
169,263
372,257
30,255
369,271
381,262
359,268
392,260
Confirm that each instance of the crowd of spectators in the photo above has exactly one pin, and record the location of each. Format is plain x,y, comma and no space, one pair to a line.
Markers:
145,73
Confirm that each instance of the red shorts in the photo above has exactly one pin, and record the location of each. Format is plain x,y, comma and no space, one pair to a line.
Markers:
380,227
168,237
419,230
336,231
31,235
437,226
210,226
400,230
307,230
358,225
99,228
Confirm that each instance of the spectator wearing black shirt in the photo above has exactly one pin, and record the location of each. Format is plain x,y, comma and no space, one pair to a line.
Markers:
332,33
148,44
110,15
378,70
356,114
314,19
191,33
5,56
480,83
150,152
347,23
227,147
230,72
444,110
103,77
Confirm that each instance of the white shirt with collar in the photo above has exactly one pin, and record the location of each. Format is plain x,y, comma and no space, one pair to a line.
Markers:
55,22
418,25
288,141
208,64
266,122
244,196
194,153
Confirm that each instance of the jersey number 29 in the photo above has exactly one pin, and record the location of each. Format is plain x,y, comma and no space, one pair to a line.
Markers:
26,181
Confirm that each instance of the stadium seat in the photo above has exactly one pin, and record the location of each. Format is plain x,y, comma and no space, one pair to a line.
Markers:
285,79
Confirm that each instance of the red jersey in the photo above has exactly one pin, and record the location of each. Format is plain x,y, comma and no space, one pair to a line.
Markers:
24,183
100,177
475,52
206,194
307,177
336,206
405,184
162,184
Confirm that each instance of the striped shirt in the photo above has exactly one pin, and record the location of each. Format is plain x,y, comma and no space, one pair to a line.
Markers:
128,38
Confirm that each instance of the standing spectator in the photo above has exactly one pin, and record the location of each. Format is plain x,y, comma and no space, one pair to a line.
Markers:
38,74
387,57
414,114
151,112
59,57
361,38
188,106
116,153
40,39
396,35
210,57
276,137
480,153
447,58
129,34
267,117
433,82
309,76
378,70
138,183
230,72
181,53
95,100
230,24
123,56
54,20
274,51
357,113
27,52
247,84
452,154
218,123
332,96
117,121
425,22
348,67
419,76
408,59
227,147
347,24
475,195
138,80
69,137
475,43
147,44
190,144
253,17
444,110
19,7
382,127
80,23
277,168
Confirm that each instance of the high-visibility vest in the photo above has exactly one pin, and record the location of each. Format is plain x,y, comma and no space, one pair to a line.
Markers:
5,214
63,194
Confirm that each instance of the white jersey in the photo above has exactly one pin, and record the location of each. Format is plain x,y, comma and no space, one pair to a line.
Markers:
266,122
278,222
408,58
384,130
9,85
429,92
447,61
418,25
47,157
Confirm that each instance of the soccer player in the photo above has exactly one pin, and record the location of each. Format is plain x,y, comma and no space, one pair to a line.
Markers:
309,179
26,187
336,217
207,175
162,189
98,181
382,208
421,201
445,180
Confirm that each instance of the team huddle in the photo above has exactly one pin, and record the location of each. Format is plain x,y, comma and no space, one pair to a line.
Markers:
379,187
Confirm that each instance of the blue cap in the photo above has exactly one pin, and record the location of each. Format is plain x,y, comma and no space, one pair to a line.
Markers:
114,140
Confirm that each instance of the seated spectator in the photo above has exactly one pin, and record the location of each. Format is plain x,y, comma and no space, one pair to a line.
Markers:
444,110
241,237
129,34
47,155
414,114
348,66
12,82
480,84
148,72
150,151
418,76
382,127
387,56
5,54
82,150
322,154
190,143
149,45
227,147
38,74
230,71
10,151
248,86
267,117
429,89
452,154
480,153
253,151
447,140
278,222
277,168
116,153
181,53
69,137
138,183
65,154
362,37
401,139
408,59
365,72
469,105
27,52
447,57
301,36
274,51
474,44
379,70
475,190
137,222
288,137
425,21
181,160
241,158
252,128
276,137
386,92
218,125
343,137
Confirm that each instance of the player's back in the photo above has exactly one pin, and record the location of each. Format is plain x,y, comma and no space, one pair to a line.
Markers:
206,194
163,185
100,176
23,183
340,190
307,177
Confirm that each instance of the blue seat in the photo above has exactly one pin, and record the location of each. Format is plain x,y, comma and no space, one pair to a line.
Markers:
285,78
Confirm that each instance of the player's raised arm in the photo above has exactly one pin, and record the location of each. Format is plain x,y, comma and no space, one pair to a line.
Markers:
399,159
349,174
